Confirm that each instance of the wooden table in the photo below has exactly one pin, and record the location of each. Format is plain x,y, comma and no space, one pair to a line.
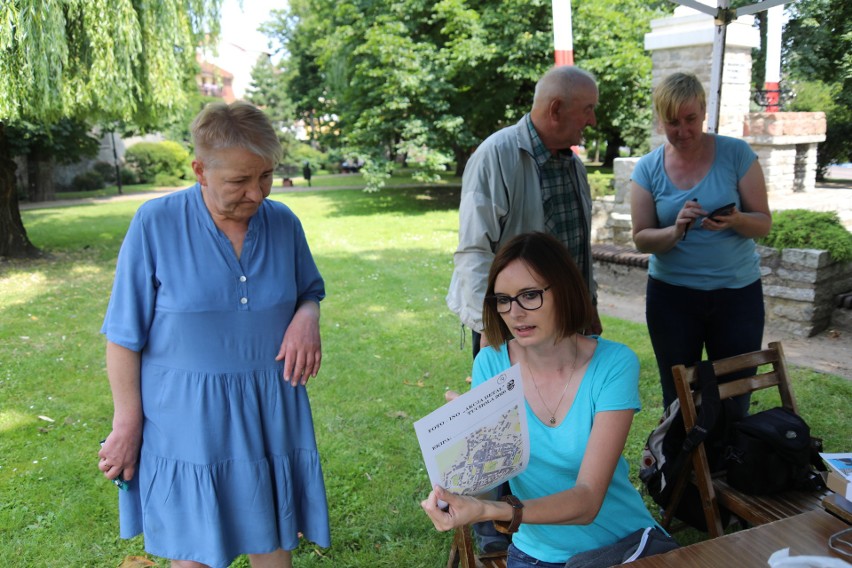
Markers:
805,534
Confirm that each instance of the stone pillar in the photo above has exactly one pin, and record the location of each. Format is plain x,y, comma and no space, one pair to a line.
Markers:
786,146
684,42
611,222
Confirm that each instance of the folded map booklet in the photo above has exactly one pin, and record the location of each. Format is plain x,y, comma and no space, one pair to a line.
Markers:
479,440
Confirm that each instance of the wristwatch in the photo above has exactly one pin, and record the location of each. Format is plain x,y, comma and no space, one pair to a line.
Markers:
509,527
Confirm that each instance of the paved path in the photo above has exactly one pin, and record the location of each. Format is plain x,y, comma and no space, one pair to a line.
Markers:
834,196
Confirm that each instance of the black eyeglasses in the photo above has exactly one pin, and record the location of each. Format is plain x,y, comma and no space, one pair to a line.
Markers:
529,300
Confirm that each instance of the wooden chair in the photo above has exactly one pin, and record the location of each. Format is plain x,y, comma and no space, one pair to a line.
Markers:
714,491
462,553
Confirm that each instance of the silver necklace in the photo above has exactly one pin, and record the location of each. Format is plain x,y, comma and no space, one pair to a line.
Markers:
567,384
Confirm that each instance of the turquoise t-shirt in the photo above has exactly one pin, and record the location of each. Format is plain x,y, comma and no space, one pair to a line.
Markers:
611,382
705,260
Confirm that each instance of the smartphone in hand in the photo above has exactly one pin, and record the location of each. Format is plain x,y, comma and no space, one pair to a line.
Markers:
724,210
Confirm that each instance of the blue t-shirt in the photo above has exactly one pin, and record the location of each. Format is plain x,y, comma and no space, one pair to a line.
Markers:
705,260
611,383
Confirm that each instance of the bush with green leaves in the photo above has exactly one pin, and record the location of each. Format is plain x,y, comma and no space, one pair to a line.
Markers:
128,176
150,159
297,153
601,184
88,181
168,180
106,170
803,229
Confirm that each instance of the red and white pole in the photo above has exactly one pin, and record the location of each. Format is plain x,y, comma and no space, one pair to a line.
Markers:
774,17
563,38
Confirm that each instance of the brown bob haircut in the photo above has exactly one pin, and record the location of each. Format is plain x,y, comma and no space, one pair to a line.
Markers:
550,260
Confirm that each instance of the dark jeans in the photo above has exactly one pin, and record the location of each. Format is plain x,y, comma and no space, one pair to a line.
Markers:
518,559
682,322
639,544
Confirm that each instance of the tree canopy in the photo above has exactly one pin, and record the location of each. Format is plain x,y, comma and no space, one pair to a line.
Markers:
102,60
818,61
427,81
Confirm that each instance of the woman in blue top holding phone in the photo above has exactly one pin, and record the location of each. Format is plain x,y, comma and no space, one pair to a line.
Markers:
698,202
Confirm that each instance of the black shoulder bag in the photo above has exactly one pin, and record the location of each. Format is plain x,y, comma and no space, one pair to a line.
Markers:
772,451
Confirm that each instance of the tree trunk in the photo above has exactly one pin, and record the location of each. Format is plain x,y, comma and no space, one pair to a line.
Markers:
13,237
612,145
40,177
462,157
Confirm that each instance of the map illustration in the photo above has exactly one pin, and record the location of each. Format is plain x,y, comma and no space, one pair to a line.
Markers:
483,459
479,440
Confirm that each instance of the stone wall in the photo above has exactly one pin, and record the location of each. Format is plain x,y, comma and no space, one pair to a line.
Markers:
800,287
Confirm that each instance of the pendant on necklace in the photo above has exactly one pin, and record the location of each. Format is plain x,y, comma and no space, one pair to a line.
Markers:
553,420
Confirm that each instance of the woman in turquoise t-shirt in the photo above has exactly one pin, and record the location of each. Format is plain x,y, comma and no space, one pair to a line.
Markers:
581,393
704,289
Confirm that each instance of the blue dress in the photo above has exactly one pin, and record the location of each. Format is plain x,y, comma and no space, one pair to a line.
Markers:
229,462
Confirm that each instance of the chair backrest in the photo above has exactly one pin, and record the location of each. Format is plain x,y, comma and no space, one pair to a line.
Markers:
776,376
759,377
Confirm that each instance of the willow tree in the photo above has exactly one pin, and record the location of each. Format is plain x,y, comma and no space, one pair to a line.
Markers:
103,60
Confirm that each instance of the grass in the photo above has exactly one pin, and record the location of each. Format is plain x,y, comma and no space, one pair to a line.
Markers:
401,177
391,349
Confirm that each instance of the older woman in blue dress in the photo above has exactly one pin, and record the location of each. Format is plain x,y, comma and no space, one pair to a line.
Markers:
212,333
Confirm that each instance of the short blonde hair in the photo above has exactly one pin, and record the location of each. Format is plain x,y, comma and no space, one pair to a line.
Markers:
221,126
676,90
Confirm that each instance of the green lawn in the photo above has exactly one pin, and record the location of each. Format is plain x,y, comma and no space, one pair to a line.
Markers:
401,177
391,349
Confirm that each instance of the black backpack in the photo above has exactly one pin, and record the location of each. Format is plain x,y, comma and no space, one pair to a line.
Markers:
668,448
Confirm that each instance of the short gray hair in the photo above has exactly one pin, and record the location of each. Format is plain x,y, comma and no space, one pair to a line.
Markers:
560,82
237,125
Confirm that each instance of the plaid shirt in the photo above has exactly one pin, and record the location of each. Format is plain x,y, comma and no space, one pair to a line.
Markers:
563,212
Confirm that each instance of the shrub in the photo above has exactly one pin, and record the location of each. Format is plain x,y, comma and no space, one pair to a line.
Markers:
106,170
297,153
168,180
87,181
803,229
128,176
601,184
149,159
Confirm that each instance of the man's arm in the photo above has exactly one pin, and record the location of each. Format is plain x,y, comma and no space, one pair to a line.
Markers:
483,205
